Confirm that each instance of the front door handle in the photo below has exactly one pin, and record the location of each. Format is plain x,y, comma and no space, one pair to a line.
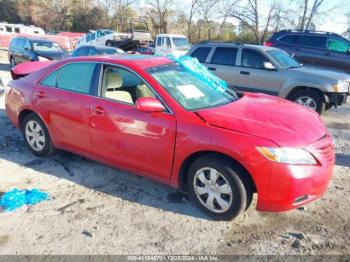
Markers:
212,68
244,73
41,94
99,110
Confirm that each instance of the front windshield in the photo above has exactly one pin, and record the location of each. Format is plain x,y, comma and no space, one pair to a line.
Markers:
180,42
285,60
42,46
190,92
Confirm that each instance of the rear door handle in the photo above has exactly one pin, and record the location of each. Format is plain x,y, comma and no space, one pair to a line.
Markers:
99,110
244,73
41,94
212,68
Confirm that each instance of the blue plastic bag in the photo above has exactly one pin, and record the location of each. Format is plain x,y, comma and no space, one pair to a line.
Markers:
200,71
16,198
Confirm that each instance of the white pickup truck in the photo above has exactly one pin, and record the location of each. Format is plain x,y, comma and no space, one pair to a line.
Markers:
102,37
167,44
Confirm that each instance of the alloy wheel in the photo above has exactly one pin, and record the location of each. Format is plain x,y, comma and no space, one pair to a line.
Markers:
35,135
307,101
213,190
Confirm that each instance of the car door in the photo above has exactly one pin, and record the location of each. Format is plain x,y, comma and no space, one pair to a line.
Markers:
128,137
63,99
339,56
253,76
27,51
223,63
311,50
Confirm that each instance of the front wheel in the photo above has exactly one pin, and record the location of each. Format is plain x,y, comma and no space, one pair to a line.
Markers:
109,43
216,187
36,136
310,99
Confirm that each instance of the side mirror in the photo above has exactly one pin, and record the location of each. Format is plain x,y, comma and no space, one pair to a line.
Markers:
269,66
27,49
348,52
149,104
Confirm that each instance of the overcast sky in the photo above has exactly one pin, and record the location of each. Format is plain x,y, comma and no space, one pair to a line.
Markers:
336,21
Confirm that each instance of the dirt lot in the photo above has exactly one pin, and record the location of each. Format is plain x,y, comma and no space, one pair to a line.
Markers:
95,209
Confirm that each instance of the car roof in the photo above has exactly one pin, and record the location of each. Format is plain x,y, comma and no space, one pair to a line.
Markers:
34,39
140,61
98,47
308,32
227,44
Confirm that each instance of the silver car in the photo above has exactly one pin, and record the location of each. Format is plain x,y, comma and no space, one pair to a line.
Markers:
272,71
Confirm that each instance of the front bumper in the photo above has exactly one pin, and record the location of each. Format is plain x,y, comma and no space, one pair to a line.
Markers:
292,186
337,99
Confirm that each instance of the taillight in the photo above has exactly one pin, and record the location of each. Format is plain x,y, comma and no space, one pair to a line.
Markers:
268,44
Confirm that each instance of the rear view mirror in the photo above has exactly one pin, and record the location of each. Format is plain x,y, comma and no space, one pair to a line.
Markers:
269,66
149,104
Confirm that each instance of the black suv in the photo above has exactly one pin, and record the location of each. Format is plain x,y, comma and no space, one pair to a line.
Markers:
24,49
324,49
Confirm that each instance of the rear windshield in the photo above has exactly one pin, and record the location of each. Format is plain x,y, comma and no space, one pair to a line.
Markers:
42,46
180,41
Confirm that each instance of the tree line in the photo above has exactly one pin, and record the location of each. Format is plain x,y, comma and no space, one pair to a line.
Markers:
250,21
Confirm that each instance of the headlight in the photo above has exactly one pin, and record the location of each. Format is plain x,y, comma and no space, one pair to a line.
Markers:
41,58
293,156
341,87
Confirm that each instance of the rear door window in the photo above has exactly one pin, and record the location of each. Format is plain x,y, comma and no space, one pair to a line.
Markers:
50,80
290,39
253,59
224,56
201,54
76,77
312,41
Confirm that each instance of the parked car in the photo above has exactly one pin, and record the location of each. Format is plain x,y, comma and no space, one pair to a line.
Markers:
23,49
272,71
89,50
323,49
144,50
167,44
153,116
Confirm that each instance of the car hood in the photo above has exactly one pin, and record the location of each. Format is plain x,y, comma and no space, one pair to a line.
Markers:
52,55
320,72
281,121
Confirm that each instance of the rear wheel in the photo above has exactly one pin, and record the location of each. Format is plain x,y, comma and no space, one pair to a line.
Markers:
311,99
216,187
36,136
12,62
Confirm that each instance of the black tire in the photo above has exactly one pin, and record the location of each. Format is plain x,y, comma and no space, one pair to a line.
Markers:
109,43
328,106
12,62
45,148
316,96
233,174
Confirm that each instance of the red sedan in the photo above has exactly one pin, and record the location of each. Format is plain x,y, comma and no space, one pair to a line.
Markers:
151,116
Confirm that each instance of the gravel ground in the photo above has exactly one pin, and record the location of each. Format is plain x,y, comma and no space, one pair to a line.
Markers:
95,209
